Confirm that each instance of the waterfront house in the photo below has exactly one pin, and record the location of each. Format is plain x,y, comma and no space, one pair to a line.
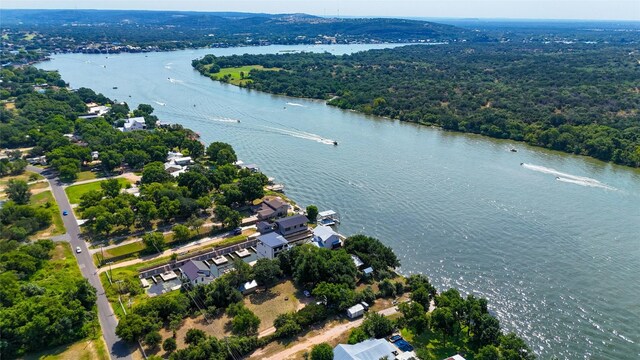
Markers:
183,161
356,261
291,225
136,123
270,245
265,227
371,349
196,272
455,357
326,237
271,207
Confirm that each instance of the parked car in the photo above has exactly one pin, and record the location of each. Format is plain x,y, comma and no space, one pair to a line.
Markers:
306,293
78,250
237,231
65,213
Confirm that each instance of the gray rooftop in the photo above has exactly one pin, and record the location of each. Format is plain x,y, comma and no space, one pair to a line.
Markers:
192,269
291,221
272,239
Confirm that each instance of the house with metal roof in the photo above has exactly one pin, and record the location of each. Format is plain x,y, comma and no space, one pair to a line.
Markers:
196,272
326,237
372,349
270,245
292,224
272,207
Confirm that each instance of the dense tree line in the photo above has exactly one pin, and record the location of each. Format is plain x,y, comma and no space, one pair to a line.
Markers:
41,306
578,98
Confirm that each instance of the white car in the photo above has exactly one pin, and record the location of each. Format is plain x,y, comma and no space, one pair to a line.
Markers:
78,250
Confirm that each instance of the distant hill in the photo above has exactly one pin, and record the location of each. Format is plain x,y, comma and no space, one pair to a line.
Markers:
200,28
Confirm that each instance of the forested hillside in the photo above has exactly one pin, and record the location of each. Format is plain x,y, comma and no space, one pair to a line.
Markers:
578,98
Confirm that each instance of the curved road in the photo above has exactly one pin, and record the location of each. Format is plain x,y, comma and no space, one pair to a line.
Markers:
118,349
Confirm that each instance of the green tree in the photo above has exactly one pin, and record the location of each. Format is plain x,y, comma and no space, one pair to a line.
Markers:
146,211
251,188
136,158
322,351
486,330
488,352
377,325
228,217
512,347
154,172
181,233
442,320
312,213
415,316
154,241
286,325
111,187
267,271
68,173
245,323
18,191
153,339
110,160
221,153
194,336
169,345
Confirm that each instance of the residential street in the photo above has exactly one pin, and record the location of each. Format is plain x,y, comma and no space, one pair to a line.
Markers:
117,348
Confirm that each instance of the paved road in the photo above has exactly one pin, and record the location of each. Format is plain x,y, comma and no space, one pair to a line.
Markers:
118,349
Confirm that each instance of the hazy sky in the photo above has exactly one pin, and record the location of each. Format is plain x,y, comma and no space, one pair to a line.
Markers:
529,9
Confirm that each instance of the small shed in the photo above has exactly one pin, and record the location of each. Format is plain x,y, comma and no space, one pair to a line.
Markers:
368,271
355,311
248,287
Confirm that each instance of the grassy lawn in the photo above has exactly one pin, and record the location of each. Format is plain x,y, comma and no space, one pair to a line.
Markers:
82,350
75,192
24,176
267,305
234,72
39,185
86,175
45,199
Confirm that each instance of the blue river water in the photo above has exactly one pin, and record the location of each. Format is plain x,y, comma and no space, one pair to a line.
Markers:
553,243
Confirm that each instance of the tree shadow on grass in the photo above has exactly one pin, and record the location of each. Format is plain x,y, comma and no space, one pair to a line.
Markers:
261,297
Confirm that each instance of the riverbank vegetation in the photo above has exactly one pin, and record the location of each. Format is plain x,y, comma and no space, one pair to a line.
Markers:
577,98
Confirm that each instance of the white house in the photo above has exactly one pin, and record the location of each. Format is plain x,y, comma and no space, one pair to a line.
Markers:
371,349
326,237
196,272
270,245
355,311
182,160
99,110
136,123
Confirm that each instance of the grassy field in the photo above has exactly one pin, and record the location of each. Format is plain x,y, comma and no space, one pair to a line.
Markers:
269,304
86,175
45,199
39,185
24,176
234,73
75,192
82,350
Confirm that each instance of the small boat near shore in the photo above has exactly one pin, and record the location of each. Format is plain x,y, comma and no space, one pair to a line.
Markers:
513,150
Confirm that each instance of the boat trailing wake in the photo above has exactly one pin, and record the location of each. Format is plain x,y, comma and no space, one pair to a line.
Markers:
160,103
295,104
302,135
568,178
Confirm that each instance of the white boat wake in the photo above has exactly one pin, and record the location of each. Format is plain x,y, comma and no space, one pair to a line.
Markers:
160,103
568,178
295,104
303,135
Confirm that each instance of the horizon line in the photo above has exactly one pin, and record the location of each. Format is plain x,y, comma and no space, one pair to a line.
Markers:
407,17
